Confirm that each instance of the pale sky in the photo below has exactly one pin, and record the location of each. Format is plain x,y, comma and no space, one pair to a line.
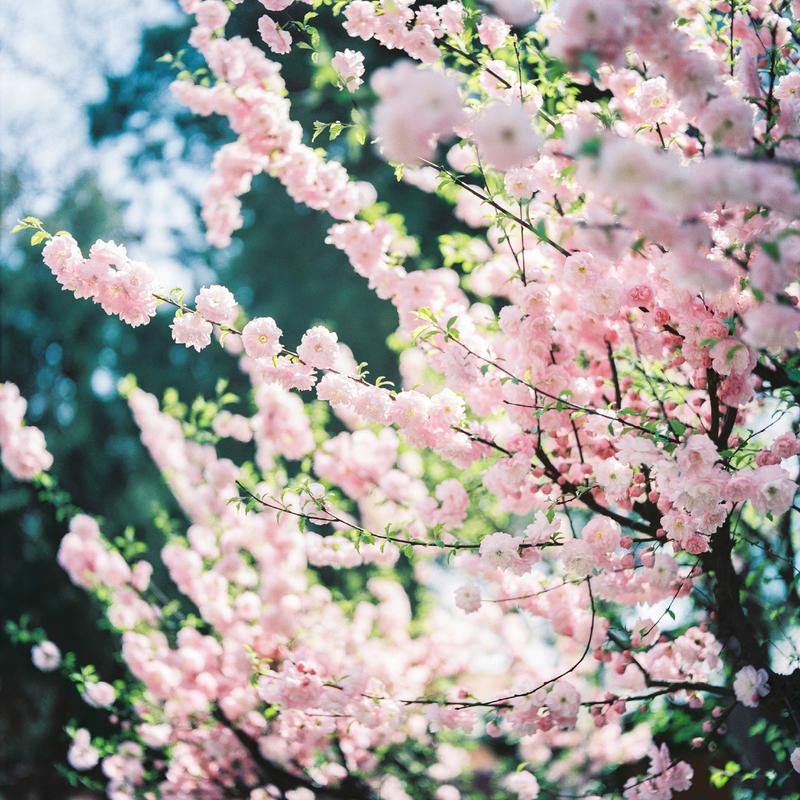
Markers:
54,55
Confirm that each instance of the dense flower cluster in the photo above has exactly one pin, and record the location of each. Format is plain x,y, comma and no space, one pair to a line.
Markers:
22,447
121,286
250,92
560,520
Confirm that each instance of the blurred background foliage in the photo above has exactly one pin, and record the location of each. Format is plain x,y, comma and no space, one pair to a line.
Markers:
67,356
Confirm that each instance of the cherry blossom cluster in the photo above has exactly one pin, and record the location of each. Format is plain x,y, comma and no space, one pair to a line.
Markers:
109,277
560,519
22,447
250,93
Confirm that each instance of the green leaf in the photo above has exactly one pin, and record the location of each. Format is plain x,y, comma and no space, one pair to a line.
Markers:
591,147
318,128
678,427
732,352
335,130
771,249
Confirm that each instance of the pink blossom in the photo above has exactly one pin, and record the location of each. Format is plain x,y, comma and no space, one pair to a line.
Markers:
261,338
279,41
520,183
62,255
516,12
500,550
578,557
613,476
108,254
191,330
698,452
523,784
750,685
729,355
653,99
602,534
634,450
774,490
727,121
581,270
276,5
349,66
668,776
772,326
588,29
454,500
452,17
504,136
12,409
25,453
492,31
152,735
216,304
81,755
786,445
468,598
540,530
563,702
99,694
212,14
234,426
416,108
46,656
338,390
300,794
319,347
360,19
678,526
140,575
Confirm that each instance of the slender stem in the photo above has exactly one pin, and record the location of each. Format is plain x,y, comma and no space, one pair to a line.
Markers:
543,237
